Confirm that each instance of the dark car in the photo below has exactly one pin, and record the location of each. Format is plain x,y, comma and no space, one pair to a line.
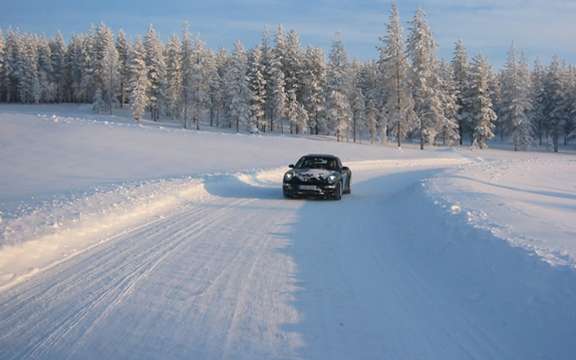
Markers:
317,176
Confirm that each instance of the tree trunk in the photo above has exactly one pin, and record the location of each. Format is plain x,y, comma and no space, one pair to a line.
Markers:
555,140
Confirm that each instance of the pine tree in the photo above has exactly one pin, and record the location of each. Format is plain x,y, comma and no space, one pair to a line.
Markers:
338,103
58,64
495,91
460,70
257,86
27,73
425,82
293,65
266,66
13,55
314,84
194,80
237,87
448,132
371,120
570,100
105,58
538,103
481,111
173,78
156,72
215,91
88,68
555,101
139,82
277,93
358,108
45,71
198,82
397,102
515,103
222,61
123,49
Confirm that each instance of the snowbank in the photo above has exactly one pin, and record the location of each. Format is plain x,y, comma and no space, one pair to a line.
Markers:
59,230
528,199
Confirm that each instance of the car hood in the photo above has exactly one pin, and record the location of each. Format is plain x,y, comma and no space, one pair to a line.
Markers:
313,174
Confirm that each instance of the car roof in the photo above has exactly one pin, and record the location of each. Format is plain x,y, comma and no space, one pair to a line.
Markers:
328,156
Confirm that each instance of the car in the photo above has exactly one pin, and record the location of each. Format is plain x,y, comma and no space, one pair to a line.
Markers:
317,175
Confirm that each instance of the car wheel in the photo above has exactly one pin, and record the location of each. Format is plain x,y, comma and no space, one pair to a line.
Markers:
338,192
349,187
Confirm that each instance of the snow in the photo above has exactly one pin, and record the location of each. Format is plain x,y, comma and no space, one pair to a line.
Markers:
525,198
184,237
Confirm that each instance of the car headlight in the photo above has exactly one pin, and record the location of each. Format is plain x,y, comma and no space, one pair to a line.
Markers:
332,178
288,176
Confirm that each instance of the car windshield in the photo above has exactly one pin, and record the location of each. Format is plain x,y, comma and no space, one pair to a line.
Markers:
317,163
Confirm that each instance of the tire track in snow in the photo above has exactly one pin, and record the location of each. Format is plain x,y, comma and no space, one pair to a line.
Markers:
113,293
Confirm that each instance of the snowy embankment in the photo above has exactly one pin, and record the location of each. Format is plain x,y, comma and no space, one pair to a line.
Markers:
527,199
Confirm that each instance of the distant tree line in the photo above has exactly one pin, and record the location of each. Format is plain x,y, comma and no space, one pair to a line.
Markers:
281,86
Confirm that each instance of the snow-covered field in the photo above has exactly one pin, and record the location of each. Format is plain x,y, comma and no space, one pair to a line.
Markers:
127,241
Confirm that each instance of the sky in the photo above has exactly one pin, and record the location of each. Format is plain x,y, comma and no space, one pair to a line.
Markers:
541,28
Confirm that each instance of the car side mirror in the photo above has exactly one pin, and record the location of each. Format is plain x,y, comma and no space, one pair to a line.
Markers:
291,166
345,168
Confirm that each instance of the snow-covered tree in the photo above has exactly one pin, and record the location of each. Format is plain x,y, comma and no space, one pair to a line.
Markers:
12,62
555,101
123,49
28,76
515,102
45,71
481,112
58,62
460,71
222,61
257,85
105,60
173,78
425,81
570,121
448,131
277,82
358,108
293,65
296,113
371,120
314,84
538,102
338,103
215,94
194,80
156,72
397,104
495,91
237,87
139,82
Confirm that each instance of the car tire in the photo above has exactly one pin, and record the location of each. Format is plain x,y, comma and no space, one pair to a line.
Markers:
349,187
338,192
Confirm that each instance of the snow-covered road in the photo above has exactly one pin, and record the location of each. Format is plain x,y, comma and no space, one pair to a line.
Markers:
240,273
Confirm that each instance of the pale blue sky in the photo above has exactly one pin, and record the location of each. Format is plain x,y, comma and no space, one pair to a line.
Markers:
541,28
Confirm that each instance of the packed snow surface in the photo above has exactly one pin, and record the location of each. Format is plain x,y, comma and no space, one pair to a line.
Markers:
151,242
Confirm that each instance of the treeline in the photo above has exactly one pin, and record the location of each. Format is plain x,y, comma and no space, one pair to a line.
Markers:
281,86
